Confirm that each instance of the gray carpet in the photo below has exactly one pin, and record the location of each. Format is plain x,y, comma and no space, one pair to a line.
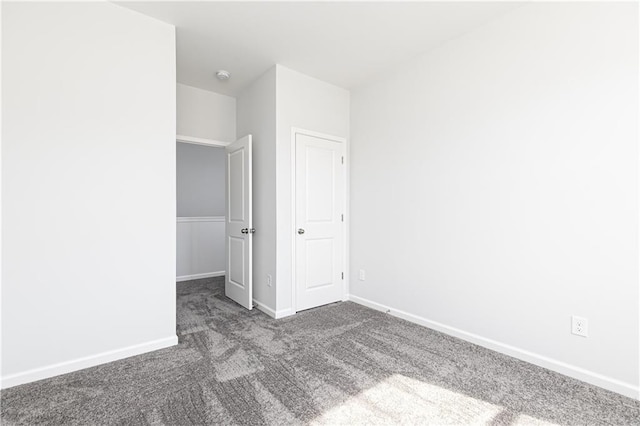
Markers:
338,364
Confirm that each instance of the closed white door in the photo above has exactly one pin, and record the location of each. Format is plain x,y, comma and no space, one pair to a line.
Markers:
239,232
319,218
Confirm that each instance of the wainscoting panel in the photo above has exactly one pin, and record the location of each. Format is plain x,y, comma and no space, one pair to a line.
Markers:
200,247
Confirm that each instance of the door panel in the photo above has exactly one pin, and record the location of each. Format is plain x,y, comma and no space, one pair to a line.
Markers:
320,193
236,185
236,252
320,267
239,235
320,165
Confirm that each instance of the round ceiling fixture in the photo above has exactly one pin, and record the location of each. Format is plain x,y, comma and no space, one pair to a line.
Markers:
223,75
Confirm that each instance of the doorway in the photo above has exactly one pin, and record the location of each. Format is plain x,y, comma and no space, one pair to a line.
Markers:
200,211
215,178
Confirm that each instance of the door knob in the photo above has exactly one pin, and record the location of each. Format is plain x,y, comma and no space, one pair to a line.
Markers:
252,230
300,231
245,230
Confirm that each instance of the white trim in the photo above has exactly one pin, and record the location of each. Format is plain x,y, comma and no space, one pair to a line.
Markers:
638,182
294,283
264,308
201,219
272,312
591,377
345,226
85,362
201,141
282,313
200,276
347,220
332,138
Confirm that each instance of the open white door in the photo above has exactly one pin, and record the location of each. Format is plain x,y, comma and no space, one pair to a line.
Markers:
239,233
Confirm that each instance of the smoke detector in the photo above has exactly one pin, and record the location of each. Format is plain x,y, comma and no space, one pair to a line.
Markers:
223,75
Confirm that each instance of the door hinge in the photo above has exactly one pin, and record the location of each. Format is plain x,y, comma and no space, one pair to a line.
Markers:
342,217
343,275
343,159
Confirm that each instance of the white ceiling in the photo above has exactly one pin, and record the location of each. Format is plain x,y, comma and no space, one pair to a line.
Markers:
344,43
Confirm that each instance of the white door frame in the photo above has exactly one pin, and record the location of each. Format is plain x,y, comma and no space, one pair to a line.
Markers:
191,140
345,225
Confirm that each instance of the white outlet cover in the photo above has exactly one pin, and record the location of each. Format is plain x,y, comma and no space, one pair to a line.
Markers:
361,274
579,326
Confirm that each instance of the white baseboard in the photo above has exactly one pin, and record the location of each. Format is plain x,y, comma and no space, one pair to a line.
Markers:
85,362
199,276
284,313
272,312
264,308
591,377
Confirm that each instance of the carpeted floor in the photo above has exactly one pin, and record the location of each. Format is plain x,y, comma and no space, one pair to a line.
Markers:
338,364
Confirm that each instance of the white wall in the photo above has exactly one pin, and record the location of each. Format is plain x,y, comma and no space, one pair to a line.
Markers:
88,128
256,115
494,188
200,178
269,108
200,181
310,104
205,114
200,247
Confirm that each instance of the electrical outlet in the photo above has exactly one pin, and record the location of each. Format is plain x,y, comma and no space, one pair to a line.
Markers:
579,326
361,274
269,280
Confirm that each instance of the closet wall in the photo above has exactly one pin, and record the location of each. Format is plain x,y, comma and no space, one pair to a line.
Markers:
279,100
200,176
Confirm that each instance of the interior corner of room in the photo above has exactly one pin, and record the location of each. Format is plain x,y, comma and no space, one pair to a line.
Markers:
508,153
